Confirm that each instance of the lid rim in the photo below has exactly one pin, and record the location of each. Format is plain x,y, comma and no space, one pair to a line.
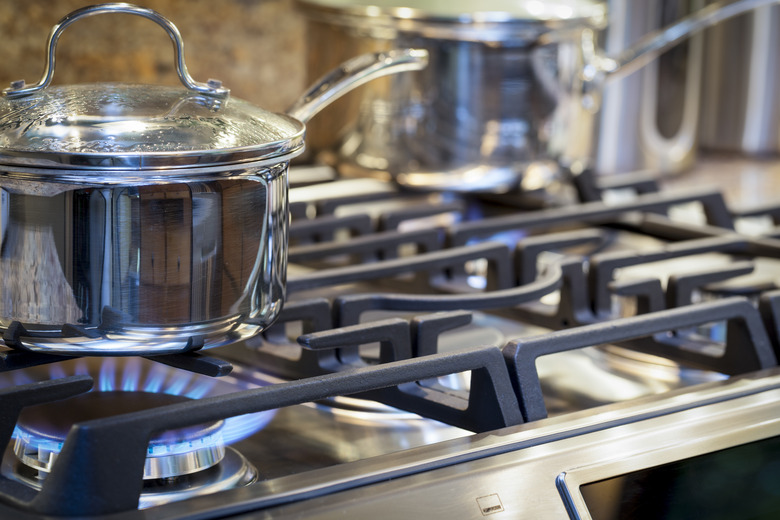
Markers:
151,161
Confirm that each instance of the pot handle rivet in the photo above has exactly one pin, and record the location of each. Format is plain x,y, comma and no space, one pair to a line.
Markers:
211,88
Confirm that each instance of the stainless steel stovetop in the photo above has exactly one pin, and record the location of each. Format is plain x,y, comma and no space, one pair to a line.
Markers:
440,355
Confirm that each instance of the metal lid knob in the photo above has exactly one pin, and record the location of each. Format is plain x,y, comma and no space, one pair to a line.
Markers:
211,88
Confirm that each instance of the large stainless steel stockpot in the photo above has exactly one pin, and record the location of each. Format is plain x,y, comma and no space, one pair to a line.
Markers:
138,219
510,96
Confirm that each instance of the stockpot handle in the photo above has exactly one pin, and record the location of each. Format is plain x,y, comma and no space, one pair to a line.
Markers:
656,43
211,88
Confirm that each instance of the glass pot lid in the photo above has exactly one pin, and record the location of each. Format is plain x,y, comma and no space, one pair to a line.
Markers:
137,127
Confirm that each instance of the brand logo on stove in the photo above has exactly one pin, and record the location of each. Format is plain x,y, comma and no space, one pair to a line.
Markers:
490,504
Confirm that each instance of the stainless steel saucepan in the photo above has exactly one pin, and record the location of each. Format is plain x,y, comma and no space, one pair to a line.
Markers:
509,98
142,219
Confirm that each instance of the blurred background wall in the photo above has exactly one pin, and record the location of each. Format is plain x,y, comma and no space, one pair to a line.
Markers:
255,47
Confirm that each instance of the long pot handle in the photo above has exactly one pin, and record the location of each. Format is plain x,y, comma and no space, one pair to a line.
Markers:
656,43
211,88
353,73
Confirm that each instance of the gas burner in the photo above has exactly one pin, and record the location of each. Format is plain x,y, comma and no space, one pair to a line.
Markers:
180,463
232,471
142,376
41,431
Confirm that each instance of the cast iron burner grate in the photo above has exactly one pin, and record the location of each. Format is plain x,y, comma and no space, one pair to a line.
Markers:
504,389
93,449
195,362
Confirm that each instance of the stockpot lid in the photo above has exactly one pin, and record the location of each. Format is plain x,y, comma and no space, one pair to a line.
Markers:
485,20
137,127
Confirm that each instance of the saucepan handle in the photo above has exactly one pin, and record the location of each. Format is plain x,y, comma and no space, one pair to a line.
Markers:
211,88
656,43
353,73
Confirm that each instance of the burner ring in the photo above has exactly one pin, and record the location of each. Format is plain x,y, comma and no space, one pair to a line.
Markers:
233,471
42,429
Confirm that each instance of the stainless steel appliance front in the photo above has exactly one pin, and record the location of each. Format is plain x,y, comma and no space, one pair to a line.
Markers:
531,471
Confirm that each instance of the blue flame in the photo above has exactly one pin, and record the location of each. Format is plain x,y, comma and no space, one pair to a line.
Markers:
155,379
106,380
140,375
19,377
57,372
160,378
81,368
178,384
130,375
199,389
243,426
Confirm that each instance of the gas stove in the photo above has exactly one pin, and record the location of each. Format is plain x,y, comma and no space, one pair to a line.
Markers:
458,355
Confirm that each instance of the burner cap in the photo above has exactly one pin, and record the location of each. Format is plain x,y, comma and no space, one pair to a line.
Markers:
233,471
41,432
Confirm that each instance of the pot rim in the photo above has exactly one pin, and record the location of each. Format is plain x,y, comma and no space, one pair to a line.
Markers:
477,26
14,176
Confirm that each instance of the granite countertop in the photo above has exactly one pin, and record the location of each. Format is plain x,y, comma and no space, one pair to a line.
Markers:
255,47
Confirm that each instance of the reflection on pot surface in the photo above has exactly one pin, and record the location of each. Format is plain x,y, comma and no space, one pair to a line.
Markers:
173,260
452,131
151,219
489,108
510,97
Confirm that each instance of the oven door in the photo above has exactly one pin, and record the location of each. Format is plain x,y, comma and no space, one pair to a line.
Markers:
716,461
